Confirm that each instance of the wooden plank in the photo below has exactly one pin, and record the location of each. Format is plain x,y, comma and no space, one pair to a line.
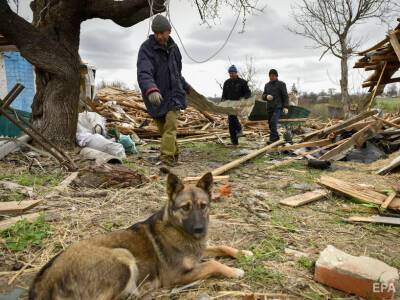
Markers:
11,221
388,200
377,85
387,122
216,179
340,126
319,143
378,45
63,185
233,164
375,219
394,41
305,198
17,207
387,169
288,161
356,191
358,139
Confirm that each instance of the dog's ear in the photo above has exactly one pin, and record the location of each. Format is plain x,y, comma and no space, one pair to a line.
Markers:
174,185
206,183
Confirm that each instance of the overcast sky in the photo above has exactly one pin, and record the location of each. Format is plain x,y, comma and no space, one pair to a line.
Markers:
113,49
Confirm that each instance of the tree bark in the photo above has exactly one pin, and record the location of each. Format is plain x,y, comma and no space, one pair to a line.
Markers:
344,80
55,105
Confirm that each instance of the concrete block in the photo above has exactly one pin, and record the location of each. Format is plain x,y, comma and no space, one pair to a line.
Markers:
363,276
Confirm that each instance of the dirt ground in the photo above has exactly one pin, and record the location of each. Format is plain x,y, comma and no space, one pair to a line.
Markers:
250,218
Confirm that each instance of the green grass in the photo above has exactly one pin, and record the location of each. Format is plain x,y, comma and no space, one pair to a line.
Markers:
283,219
24,234
270,249
27,179
305,262
214,150
388,104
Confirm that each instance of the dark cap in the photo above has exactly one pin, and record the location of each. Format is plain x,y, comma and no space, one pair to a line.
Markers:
160,24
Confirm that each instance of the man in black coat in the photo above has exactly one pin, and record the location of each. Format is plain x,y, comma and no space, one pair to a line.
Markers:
234,89
276,95
159,74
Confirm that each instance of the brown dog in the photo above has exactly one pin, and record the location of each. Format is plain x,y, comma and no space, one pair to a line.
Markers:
164,250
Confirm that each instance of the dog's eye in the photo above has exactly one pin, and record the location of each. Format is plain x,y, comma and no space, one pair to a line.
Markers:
203,206
186,207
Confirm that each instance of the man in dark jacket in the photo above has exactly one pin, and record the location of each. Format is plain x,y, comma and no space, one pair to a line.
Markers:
159,74
234,89
276,95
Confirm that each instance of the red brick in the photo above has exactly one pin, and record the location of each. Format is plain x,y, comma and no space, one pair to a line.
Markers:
360,275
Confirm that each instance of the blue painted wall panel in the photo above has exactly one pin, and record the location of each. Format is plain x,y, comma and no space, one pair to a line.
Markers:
19,70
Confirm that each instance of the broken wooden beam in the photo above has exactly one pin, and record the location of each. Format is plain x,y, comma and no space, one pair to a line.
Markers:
355,191
389,123
11,221
237,162
17,207
215,179
395,163
337,127
358,139
394,41
388,200
305,198
375,219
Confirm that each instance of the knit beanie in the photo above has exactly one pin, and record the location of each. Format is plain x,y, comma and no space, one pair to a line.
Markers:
273,72
160,24
232,69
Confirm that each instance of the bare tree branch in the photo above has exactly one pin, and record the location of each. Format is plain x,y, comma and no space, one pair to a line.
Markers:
125,13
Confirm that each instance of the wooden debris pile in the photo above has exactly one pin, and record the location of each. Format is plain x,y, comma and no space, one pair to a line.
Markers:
125,110
384,59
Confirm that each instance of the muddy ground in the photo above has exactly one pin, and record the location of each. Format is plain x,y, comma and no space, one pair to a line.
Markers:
250,218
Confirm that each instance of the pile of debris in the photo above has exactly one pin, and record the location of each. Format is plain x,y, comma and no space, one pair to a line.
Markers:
125,111
384,59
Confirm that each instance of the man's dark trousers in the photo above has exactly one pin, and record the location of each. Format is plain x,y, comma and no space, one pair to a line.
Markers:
234,128
273,120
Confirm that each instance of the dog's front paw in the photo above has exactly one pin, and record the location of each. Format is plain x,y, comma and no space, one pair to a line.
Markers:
246,253
237,273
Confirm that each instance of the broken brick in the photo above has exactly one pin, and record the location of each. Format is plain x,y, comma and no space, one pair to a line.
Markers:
363,276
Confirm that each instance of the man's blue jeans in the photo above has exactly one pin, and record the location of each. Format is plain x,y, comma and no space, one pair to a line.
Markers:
273,121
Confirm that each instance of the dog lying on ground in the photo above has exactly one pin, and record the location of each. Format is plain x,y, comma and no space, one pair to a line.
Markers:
164,250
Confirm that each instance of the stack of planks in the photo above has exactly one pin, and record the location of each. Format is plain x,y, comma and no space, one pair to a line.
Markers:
384,59
125,110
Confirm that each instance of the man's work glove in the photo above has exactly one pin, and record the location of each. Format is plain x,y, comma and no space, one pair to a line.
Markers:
155,98
285,111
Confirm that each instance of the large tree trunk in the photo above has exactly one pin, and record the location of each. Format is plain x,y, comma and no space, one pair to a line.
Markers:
55,105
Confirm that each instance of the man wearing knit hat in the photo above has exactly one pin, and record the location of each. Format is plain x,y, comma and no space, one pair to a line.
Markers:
234,89
159,74
276,95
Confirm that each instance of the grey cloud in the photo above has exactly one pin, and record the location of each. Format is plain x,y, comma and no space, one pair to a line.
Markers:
107,45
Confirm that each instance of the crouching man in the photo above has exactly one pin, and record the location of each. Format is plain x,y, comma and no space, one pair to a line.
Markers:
276,95
159,74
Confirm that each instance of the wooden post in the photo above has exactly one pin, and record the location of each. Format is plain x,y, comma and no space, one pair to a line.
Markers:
221,170
377,86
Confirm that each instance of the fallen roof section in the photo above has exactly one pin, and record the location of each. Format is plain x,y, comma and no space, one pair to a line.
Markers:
382,58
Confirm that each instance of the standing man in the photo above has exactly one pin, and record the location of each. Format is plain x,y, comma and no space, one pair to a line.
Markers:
234,89
276,95
159,74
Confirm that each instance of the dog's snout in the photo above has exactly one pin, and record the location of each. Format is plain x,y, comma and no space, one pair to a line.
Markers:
199,230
